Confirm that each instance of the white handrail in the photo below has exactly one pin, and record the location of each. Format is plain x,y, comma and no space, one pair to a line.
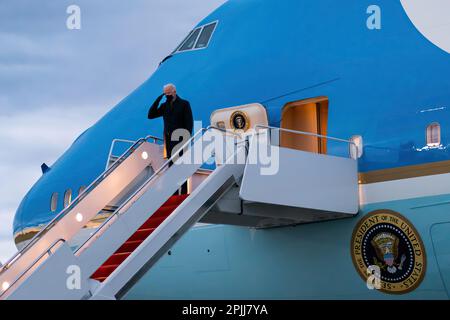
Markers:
350,142
111,149
149,180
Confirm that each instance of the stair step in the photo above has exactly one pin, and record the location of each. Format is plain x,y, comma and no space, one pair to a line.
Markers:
141,234
129,246
164,211
104,271
117,258
108,267
153,222
176,200
101,279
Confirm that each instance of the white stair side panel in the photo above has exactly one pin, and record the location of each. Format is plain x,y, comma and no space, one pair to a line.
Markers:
52,282
302,179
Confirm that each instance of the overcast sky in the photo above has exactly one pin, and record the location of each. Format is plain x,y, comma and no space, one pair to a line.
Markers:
56,82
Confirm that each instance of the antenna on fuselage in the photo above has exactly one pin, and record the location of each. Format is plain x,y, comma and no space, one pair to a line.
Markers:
45,168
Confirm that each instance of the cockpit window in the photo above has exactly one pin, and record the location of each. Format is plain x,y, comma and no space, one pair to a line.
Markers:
190,42
182,42
205,36
198,38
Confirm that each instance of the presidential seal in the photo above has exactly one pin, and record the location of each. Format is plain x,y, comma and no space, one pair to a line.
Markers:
239,121
384,240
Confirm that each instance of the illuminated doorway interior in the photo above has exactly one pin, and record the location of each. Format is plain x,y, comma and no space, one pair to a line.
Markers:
310,115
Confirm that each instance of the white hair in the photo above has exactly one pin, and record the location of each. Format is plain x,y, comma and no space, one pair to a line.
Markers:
170,85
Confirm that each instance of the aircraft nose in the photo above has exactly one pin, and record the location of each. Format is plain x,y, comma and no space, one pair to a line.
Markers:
18,221
27,220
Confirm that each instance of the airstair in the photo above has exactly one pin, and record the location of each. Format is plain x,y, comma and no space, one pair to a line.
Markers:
148,217
133,238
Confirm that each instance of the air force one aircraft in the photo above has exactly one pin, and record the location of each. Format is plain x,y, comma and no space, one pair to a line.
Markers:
352,98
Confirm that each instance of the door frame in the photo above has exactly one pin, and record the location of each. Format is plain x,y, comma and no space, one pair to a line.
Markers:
322,103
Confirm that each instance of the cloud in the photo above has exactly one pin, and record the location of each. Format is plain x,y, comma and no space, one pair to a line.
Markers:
119,46
55,83
40,134
32,138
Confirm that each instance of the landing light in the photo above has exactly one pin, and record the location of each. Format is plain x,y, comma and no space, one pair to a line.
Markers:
144,155
5,286
79,217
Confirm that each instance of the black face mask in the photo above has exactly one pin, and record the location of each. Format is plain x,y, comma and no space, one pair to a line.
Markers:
169,98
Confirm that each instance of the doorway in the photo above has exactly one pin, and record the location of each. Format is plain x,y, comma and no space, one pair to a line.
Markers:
310,115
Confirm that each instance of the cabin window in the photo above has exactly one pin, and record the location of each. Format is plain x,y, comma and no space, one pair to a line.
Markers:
434,135
81,190
67,198
54,202
356,147
190,42
205,36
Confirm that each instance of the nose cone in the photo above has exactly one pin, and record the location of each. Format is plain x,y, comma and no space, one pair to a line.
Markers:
17,223
29,219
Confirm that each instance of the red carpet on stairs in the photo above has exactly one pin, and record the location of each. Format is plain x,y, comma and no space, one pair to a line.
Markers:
138,237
